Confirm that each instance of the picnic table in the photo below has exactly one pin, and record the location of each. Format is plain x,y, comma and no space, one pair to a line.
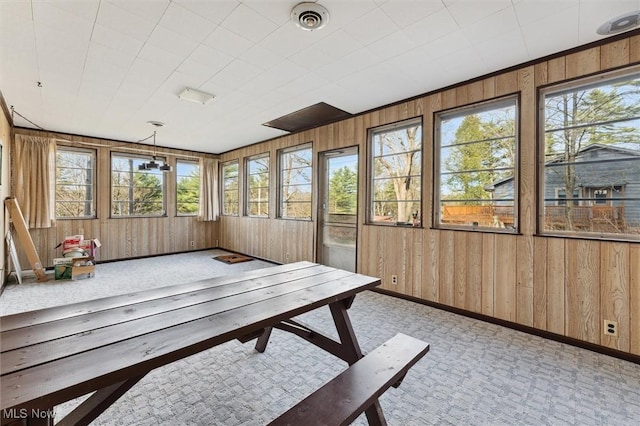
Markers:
105,346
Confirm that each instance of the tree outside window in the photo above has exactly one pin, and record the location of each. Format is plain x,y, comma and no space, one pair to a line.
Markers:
230,188
591,151
75,183
187,187
257,187
476,171
136,192
295,182
396,173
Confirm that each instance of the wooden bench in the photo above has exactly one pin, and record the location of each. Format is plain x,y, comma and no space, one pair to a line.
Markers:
344,398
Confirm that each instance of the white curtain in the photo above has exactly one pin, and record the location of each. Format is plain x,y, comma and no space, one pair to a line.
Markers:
209,203
35,178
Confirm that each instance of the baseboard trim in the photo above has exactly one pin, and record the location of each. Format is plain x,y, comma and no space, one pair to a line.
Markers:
626,356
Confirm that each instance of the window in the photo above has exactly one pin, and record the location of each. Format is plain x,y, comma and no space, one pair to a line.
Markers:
75,183
590,148
187,187
476,170
296,170
136,192
257,186
395,167
230,188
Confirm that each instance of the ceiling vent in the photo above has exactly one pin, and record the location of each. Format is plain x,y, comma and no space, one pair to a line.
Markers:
310,16
620,23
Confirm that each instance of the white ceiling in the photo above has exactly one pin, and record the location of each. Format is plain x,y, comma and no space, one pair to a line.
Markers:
107,67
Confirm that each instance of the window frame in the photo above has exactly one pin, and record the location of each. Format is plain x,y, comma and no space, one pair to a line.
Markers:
280,185
223,212
94,157
596,80
145,158
371,133
247,184
177,176
512,99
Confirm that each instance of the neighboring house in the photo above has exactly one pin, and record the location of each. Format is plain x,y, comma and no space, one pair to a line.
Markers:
606,195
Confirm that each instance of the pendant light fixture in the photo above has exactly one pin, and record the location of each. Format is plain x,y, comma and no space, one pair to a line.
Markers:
153,164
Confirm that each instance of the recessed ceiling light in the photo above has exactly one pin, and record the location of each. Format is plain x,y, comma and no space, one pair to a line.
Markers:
196,96
620,23
155,123
310,16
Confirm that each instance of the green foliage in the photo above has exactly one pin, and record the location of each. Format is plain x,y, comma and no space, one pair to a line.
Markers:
343,191
188,193
479,148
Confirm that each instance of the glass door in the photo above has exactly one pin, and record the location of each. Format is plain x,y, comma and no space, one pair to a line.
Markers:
338,204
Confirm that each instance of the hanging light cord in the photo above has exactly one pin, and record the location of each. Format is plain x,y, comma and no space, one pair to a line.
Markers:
14,112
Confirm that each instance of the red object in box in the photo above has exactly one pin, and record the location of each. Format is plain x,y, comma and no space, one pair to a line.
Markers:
72,241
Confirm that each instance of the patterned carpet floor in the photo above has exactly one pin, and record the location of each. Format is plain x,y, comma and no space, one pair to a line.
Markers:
475,374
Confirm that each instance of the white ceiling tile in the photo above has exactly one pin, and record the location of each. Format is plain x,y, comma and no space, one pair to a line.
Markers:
287,40
249,24
215,11
348,65
431,28
85,9
337,45
106,66
278,11
125,22
147,75
529,11
371,27
116,40
312,58
172,42
210,58
492,26
185,22
150,10
262,58
155,55
279,75
306,83
551,34
503,52
466,12
228,42
234,75
407,12
343,13
393,45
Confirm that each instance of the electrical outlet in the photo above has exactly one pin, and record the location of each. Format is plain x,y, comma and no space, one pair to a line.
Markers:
394,279
286,257
193,243
611,328
217,245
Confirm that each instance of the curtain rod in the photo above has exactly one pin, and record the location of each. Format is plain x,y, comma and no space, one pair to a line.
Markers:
124,148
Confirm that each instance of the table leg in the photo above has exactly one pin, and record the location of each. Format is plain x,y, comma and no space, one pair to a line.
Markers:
97,403
374,414
261,344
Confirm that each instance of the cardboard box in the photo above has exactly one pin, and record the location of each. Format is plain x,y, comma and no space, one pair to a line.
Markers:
72,241
62,268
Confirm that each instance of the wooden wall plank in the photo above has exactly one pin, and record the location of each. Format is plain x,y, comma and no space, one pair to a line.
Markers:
583,63
488,273
615,54
583,290
431,266
446,266
473,292
614,296
460,263
556,286
540,283
505,277
634,295
634,49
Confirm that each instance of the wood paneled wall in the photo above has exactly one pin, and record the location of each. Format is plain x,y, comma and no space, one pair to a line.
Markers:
5,139
561,285
123,238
